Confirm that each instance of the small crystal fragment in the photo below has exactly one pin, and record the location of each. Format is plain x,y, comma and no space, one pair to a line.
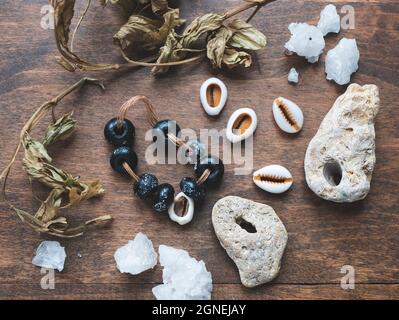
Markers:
136,256
50,255
293,76
306,41
330,20
342,61
184,278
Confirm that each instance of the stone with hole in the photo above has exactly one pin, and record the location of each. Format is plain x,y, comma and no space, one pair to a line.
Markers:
252,235
340,158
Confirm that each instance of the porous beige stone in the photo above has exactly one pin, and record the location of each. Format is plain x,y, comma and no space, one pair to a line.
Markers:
258,251
340,158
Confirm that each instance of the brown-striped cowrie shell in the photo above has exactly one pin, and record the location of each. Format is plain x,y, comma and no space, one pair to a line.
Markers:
241,125
273,179
213,95
288,115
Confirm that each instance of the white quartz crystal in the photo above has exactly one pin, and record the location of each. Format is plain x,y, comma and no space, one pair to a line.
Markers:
293,76
184,278
50,255
136,256
329,20
342,61
306,41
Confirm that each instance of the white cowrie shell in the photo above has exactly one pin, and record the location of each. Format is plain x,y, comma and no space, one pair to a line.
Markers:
182,220
241,125
213,95
288,115
273,179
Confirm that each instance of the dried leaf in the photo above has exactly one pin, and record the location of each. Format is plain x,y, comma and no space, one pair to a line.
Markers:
232,58
63,15
34,150
85,192
65,64
128,6
245,36
217,45
168,53
159,6
147,33
206,23
62,129
50,207
37,164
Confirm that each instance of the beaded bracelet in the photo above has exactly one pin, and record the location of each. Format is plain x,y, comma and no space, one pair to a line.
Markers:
209,170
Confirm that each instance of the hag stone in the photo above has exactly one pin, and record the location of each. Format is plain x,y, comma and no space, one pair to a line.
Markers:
252,235
340,158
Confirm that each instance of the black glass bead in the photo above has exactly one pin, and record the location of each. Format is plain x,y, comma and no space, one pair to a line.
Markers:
123,136
215,165
195,151
146,186
163,127
163,198
121,155
192,189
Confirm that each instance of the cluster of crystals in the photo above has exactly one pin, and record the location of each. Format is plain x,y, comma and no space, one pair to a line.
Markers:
136,256
308,41
50,255
184,278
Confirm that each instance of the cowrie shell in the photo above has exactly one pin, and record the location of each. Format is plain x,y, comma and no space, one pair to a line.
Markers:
213,95
189,210
241,125
273,179
288,115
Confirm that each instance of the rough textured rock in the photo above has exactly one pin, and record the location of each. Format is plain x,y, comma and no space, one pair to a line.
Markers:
253,236
340,158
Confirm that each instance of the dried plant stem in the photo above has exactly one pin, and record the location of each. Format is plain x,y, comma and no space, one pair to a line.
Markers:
71,61
79,23
245,6
166,64
58,226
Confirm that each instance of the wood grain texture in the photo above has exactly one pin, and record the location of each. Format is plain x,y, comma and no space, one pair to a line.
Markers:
323,236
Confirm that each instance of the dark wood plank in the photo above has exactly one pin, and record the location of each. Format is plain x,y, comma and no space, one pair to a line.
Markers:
221,292
322,236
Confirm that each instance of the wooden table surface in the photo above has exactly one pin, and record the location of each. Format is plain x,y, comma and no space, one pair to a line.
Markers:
323,236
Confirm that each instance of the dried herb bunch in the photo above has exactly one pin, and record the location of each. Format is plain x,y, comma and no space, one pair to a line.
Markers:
151,26
38,165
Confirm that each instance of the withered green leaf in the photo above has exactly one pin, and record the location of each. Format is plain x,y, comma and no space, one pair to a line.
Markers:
85,191
217,45
36,163
128,6
34,150
233,58
50,207
159,6
168,53
206,23
62,129
245,36
63,15
147,33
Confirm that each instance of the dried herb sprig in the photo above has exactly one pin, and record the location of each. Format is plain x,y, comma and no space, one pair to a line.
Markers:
37,164
151,26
